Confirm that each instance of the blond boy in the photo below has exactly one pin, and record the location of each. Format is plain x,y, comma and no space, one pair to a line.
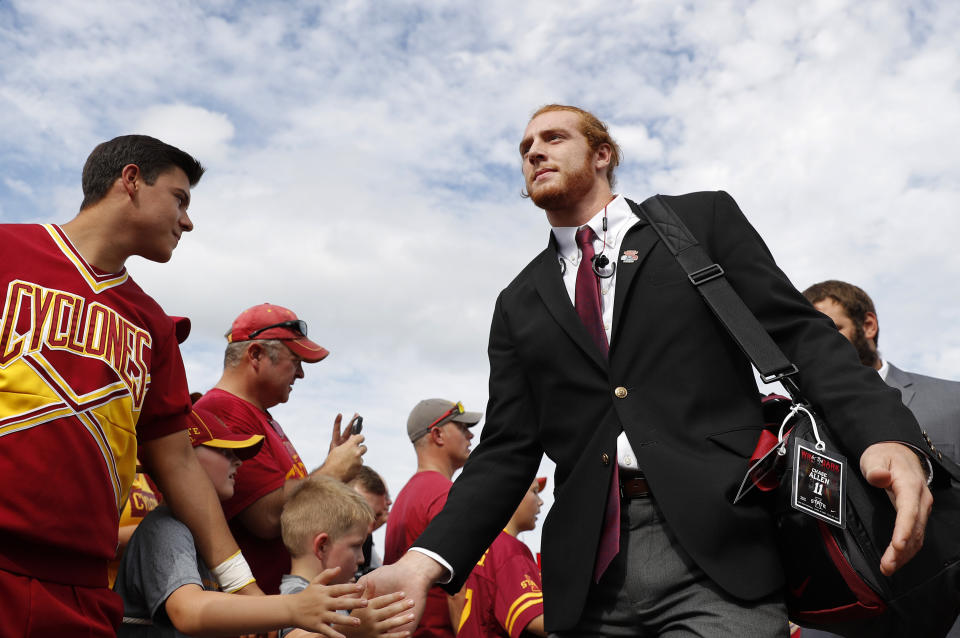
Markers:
324,524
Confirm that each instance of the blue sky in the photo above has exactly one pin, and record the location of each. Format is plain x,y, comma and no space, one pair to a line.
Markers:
363,167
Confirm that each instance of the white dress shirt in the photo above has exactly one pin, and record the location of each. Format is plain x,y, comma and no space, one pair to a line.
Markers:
884,369
620,219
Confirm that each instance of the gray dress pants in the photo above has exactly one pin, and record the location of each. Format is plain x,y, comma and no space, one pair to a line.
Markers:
653,588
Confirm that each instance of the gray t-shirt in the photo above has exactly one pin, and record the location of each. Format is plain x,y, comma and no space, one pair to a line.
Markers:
291,584
160,558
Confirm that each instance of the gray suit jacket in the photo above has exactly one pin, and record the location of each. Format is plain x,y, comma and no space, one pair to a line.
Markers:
935,403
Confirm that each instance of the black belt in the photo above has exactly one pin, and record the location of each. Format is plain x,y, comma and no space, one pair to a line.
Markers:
633,487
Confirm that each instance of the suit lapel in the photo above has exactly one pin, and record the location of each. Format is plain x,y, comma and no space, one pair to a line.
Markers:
902,381
549,283
634,249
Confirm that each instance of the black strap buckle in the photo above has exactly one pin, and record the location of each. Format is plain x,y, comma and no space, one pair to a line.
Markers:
704,275
780,375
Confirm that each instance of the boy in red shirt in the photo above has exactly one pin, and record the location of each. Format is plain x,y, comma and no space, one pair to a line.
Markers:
503,593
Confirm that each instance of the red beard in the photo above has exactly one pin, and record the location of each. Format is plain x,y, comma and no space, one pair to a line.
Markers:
566,188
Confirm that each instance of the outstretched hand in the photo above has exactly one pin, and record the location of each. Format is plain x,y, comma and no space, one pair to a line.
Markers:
897,469
315,608
382,617
414,574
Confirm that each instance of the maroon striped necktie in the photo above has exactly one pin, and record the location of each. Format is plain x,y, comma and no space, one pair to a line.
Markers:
587,304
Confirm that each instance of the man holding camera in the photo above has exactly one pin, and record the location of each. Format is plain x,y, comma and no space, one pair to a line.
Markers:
266,347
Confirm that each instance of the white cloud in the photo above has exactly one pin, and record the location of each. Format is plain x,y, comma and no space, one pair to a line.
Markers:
18,186
205,133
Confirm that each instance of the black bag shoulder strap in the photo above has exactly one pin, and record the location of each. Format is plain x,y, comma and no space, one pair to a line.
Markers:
729,308
726,304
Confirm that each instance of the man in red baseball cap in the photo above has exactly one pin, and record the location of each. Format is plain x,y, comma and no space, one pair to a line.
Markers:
270,322
266,347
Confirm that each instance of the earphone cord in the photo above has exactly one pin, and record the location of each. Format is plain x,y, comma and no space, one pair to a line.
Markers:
604,249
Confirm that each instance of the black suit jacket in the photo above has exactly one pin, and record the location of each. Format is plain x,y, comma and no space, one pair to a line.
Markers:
691,409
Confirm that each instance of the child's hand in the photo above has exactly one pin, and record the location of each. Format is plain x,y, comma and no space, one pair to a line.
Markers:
381,616
315,608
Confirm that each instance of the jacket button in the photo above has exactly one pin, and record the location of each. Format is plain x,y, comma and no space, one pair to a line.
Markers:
605,458
620,392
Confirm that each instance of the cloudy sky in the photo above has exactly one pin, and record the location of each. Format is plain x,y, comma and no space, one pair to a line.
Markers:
363,166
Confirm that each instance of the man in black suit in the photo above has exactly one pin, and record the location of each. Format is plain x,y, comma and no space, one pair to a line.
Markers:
655,392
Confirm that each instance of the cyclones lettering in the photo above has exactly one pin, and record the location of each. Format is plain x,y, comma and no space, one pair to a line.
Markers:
141,502
64,321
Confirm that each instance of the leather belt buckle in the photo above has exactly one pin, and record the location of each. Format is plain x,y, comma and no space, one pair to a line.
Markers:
634,488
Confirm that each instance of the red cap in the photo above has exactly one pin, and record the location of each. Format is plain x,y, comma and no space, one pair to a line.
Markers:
541,483
252,321
207,429
181,326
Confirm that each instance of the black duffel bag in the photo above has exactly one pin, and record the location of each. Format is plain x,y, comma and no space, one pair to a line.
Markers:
834,580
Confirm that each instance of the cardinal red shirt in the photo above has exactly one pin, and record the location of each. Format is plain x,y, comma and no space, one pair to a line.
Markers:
89,365
503,592
418,502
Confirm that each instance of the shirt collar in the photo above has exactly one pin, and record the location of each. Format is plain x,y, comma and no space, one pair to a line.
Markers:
295,579
884,369
619,216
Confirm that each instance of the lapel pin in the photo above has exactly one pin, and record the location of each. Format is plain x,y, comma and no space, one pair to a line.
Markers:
629,256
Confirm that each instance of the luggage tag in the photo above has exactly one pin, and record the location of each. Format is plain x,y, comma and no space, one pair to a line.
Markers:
765,472
819,478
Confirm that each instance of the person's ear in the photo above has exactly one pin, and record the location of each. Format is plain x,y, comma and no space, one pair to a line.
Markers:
602,157
321,543
255,352
129,175
871,327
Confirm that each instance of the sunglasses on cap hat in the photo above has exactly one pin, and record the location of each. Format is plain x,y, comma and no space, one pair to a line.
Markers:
298,325
452,413
456,410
